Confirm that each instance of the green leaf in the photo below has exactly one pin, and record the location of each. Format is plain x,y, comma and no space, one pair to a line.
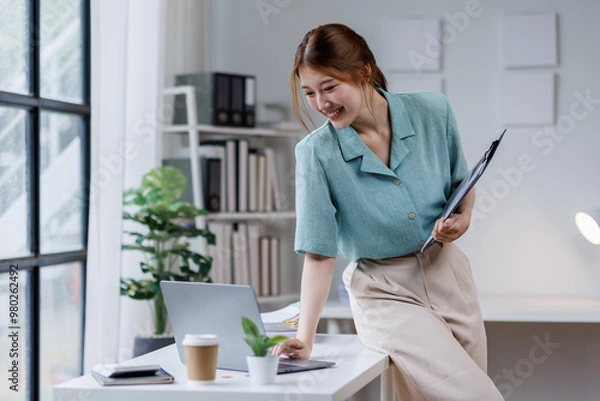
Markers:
249,327
276,340
163,184
256,345
260,343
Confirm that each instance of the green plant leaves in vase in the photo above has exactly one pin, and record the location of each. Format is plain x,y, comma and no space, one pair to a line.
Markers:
260,343
165,224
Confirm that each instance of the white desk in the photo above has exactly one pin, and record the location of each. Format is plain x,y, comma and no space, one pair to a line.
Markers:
356,366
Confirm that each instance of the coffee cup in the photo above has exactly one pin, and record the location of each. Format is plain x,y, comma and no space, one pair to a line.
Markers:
201,351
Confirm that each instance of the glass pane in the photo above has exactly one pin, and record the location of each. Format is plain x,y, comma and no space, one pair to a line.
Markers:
14,46
61,50
61,334
13,321
60,189
14,202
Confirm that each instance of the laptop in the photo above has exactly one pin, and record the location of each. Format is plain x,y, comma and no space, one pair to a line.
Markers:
209,308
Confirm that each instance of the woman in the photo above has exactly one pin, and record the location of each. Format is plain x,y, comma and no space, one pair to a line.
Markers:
370,185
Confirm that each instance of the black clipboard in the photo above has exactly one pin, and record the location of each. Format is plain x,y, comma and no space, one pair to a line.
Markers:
465,186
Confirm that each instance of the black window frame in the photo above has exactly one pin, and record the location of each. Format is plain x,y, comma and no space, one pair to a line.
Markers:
32,264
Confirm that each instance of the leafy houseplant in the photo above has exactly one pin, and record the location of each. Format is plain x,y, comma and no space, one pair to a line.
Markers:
167,222
260,343
261,365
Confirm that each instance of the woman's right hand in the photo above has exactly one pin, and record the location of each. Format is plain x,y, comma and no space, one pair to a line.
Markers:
294,349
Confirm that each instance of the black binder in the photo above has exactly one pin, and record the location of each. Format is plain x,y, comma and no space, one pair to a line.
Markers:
466,185
237,100
222,114
250,101
222,99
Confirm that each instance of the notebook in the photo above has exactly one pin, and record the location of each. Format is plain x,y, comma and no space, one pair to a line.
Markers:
210,308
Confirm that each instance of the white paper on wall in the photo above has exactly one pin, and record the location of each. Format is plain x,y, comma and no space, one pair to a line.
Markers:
414,44
412,84
529,40
528,98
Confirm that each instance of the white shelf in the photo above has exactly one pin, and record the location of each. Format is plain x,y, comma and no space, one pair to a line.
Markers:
283,298
232,131
530,309
514,309
335,310
264,216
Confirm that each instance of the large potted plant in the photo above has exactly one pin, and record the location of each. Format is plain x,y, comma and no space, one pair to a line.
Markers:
167,223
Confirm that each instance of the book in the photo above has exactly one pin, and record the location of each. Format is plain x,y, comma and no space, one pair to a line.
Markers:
242,175
254,255
274,266
282,321
214,150
241,257
269,166
115,375
231,148
237,102
274,186
262,183
250,101
212,184
265,274
221,271
252,181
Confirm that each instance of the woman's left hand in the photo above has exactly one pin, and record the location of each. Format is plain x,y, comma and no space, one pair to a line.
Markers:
452,228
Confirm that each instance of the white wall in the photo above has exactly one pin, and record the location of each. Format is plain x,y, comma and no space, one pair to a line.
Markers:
524,241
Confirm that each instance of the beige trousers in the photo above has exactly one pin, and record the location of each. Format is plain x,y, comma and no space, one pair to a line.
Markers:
422,310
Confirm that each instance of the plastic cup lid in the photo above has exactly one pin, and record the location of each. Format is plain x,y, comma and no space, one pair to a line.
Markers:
200,339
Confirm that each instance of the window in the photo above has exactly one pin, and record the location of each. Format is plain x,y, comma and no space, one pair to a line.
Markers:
44,191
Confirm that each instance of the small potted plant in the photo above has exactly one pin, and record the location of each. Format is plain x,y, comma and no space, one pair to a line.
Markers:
261,365
166,223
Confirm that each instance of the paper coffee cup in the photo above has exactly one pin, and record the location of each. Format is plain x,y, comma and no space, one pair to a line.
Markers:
201,351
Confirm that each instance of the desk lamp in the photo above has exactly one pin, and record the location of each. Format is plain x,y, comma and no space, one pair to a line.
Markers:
588,224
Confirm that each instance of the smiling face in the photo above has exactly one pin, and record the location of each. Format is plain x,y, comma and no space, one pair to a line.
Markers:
339,101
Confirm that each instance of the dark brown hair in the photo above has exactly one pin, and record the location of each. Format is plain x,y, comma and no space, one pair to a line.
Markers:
339,52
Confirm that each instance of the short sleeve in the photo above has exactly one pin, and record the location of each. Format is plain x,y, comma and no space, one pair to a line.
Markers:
316,226
458,164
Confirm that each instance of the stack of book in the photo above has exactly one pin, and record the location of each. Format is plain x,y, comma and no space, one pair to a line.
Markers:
243,256
282,321
235,177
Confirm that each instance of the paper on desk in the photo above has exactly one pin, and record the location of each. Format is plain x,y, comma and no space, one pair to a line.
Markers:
284,318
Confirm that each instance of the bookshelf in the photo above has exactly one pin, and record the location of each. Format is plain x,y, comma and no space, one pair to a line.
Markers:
194,134
246,216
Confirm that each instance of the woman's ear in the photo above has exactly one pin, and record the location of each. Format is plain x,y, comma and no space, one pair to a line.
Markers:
368,73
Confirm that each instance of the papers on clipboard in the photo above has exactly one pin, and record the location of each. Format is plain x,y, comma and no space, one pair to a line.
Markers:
466,185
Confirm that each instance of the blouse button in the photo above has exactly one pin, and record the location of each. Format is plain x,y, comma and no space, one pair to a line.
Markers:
421,243
396,182
412,216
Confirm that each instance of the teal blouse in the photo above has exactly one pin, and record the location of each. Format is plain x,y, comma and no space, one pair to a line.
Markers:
349,202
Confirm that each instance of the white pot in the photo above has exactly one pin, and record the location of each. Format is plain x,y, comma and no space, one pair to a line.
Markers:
262,369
